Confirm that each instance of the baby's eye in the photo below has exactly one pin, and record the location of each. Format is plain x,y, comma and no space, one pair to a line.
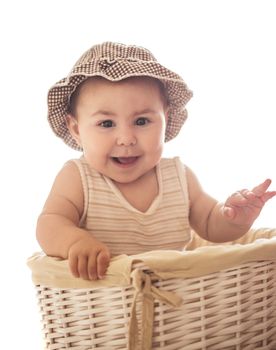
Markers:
106,124
142,121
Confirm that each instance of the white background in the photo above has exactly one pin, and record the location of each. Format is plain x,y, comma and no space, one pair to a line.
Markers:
225,50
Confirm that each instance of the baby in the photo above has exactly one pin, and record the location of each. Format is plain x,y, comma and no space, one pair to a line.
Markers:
118,106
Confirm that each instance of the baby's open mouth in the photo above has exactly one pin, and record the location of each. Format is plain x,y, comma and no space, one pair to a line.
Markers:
125,160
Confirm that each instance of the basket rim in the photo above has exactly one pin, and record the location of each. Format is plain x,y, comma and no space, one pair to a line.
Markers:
164,264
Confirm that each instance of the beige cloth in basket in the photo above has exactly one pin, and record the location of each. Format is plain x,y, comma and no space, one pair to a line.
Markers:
256,245
165,264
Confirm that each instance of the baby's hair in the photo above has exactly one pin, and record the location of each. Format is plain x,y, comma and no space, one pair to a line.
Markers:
73,100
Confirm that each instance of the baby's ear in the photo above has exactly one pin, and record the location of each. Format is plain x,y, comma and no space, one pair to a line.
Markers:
73,127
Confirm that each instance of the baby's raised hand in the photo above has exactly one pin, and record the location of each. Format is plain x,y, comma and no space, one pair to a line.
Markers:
243,207
88,258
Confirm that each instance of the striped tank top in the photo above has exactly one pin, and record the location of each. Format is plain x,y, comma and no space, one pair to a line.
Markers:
124,229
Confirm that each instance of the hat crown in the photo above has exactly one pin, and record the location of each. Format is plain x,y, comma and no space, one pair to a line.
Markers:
114,51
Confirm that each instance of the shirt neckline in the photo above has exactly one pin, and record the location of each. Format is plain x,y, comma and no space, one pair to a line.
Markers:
154,204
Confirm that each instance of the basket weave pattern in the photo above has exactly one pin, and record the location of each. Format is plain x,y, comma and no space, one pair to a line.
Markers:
235,307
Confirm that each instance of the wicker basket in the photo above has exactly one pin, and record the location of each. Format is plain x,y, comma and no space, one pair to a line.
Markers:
231,308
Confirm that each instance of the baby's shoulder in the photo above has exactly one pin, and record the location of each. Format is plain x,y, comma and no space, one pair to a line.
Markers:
68,176
70,168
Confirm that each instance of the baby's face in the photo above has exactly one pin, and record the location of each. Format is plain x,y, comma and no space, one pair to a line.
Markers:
120,126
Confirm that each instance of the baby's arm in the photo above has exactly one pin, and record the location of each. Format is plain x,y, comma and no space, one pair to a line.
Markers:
58,230
222,222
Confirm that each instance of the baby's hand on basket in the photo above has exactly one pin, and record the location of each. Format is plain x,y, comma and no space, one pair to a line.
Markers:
88,258
243,207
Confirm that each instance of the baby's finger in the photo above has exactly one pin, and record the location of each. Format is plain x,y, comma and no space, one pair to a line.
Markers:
82,267
73,265
248,194
228,212
252,198
261,189
268,195
103,259
236,199
92,267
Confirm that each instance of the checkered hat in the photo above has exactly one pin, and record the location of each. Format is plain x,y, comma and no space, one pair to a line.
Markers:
115,62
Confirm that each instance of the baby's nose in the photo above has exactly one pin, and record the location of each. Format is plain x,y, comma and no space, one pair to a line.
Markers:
126,137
